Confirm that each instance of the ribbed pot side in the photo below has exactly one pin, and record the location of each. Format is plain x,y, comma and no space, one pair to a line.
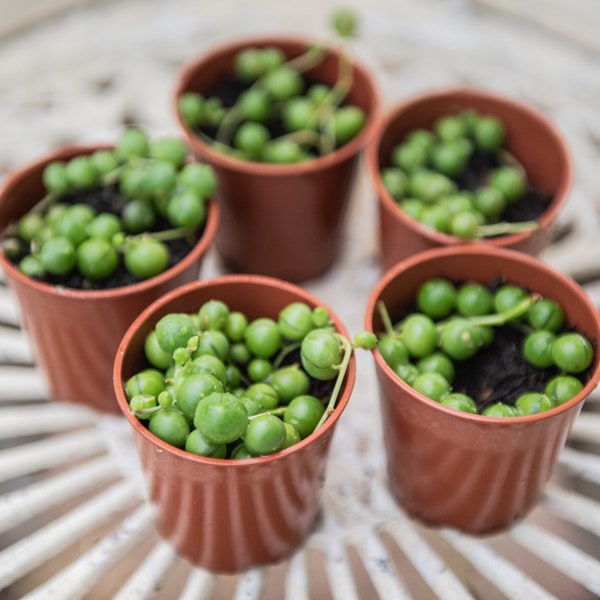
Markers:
447,467
75,333
531,138
227,515
285,221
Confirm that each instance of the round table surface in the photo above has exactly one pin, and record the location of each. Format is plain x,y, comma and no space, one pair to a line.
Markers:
74,521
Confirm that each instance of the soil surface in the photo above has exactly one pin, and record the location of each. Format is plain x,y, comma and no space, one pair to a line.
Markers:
230,89
109,199
499,373
527,208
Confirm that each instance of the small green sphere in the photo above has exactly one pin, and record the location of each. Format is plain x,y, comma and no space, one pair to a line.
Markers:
97,258
221,418
146,258
432,385
533,403
170,426
436,297
500,409
572,352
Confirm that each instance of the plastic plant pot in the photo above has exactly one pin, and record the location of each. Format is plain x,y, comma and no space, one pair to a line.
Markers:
446,467
281,220
75,333
227,514
530,137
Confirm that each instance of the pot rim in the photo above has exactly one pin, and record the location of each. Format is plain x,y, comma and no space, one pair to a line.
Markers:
384,121
229,279
200,248
484,251
361,140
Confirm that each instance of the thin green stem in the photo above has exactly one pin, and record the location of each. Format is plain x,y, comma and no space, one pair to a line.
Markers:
113,176
307,60
344,82
48,200
162,236
233,117
342,368
144,413
519,310
516,312
301,137
505,228
508,158
385,317
327,145
283,353
280,410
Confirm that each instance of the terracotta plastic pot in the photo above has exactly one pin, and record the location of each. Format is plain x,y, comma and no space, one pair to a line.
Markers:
531,138
224,514
285,221
447,467
75,333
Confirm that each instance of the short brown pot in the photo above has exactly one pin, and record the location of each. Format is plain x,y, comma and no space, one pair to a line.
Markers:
75,333
224,514
447,467
531,138
285,221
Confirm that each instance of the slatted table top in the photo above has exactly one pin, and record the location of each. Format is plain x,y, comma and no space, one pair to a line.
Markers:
73,518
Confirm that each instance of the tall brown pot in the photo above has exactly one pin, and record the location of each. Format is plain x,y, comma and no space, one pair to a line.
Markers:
285,221
75,333
531,138
447,467
225,514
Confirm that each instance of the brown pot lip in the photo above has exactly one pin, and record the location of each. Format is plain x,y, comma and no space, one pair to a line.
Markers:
483,251
229,279
464,92
70,150
222,160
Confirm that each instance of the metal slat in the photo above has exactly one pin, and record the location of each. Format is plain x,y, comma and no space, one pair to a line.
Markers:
561,555
52,452
380,567
577,509
14,347
586,427
82,574
22,504
339,571
512,582
147,578
581,464
199,585
32,551
22,383
43,418
432,568
250,585
9,313
296,583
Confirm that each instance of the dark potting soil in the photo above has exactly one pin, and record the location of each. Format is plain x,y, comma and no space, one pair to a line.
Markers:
500,373
229,90
319,389
109,199
527,208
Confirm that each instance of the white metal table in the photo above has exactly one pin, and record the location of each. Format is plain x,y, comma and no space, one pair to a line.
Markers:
74,522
